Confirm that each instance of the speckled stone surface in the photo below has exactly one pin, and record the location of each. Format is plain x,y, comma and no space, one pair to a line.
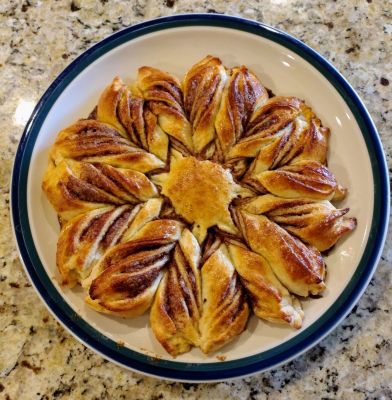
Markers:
38,359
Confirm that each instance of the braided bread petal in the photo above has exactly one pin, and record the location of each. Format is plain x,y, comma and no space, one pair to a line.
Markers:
243,93
319,224
96,142
225,308
306,179
300,268
75,187
127,277
176,310
270,299
203,86
132,118
85,238
109,105
163,94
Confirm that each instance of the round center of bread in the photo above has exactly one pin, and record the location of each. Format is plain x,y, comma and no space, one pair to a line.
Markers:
201,192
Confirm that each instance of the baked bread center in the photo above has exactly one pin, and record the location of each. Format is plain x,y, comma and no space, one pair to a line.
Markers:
201,192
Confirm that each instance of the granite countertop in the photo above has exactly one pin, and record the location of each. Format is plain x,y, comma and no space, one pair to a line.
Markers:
38,359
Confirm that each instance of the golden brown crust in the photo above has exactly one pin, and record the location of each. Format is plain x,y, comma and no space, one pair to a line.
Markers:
127,277
143,213
163,94
313,143
283,131
157,139
176,310
304,179
203,86
69,195
86,138
75,187
300,268
284,128
132,118
201,192
108,105
243,93
225,308
319,224
269,298
271,128
85,238
96,142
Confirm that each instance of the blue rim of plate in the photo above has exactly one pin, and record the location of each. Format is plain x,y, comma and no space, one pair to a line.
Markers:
199,372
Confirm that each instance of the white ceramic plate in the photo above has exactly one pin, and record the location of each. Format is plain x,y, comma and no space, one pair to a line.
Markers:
287,67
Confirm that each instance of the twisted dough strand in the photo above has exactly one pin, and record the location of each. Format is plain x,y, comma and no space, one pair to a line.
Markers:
319,224
163,94
125,280
225,307
298,267
176,310
242,95
269,298
85,238
203,86
131,116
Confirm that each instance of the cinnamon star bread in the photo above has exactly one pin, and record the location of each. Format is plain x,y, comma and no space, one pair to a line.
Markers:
202,198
